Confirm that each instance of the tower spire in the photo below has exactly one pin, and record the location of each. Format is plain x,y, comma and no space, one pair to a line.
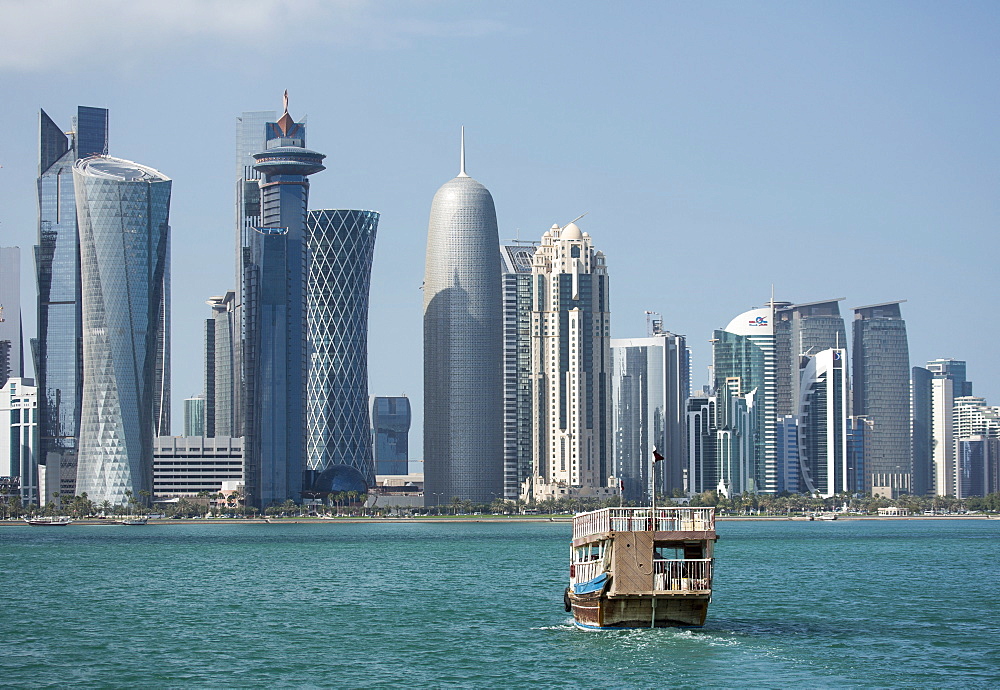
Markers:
461,162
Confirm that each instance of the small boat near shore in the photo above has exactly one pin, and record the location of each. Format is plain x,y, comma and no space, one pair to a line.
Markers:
132,521
49,521
641,567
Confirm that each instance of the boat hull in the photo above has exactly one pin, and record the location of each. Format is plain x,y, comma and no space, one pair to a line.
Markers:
598,610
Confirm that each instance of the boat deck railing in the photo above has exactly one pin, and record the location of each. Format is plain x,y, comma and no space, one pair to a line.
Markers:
626,519
669,575
690,575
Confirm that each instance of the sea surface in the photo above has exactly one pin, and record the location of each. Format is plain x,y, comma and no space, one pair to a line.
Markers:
845,604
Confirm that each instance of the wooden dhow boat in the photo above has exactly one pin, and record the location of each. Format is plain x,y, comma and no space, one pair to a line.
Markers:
641,567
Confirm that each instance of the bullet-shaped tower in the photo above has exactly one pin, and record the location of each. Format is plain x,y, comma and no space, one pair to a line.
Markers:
463,394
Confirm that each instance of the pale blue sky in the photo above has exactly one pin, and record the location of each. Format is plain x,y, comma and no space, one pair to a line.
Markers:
833,149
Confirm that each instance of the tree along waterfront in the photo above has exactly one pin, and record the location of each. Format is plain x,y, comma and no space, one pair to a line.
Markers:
352,503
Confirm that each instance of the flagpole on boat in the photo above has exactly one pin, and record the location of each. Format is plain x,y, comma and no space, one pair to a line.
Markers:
652,471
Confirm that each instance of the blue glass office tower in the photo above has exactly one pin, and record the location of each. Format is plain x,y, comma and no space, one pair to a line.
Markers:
59,350
274,313
338,439
123,213
391,430
251,138
743,356
463,340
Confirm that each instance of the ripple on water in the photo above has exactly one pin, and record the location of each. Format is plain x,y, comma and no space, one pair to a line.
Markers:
477,605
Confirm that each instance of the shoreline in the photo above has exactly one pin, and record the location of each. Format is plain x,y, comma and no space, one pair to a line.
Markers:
474,519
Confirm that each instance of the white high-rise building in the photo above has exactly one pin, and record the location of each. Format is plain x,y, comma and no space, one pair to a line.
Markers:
822,423
19,426
976,429
571,367
942,433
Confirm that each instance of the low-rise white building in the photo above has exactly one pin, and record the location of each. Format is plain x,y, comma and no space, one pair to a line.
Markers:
188,465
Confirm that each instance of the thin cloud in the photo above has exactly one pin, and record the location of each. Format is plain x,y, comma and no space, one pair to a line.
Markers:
68,34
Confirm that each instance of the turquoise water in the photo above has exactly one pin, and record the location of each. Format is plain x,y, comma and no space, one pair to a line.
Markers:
814,604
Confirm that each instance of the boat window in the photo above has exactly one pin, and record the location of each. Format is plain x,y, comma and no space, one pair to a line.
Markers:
668,551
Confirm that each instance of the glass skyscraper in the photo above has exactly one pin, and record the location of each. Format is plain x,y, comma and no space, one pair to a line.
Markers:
802,330
463,340
882,394
274,312
251,138
390,431
123,212
338,442
744,364
650,386
59,360
516,290
194,416
922,435
220,367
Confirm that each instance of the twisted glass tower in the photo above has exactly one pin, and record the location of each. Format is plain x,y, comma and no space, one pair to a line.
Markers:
122,209
463,338
338,435
275,318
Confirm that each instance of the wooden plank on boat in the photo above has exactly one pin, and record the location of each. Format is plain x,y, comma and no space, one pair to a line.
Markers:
633,567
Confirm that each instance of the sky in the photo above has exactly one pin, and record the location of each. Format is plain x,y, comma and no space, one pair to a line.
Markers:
718,148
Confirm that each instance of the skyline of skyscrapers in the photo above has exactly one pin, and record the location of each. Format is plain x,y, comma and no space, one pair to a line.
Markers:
793,377
123,211
463,341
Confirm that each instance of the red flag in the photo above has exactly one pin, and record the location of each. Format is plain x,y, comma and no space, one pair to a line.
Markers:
656,455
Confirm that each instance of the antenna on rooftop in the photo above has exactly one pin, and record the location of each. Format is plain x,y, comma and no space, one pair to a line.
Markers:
576,219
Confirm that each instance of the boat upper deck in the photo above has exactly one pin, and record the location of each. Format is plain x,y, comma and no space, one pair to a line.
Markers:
645,519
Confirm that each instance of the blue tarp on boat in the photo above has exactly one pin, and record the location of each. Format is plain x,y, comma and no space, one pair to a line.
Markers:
594,585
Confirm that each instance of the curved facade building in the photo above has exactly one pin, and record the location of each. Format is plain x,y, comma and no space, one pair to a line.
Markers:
122,210
338,436
463,338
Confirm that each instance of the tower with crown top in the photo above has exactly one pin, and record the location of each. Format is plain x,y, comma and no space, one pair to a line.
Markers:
275,368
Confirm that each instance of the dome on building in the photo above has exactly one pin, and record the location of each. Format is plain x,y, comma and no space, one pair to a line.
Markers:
571,232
